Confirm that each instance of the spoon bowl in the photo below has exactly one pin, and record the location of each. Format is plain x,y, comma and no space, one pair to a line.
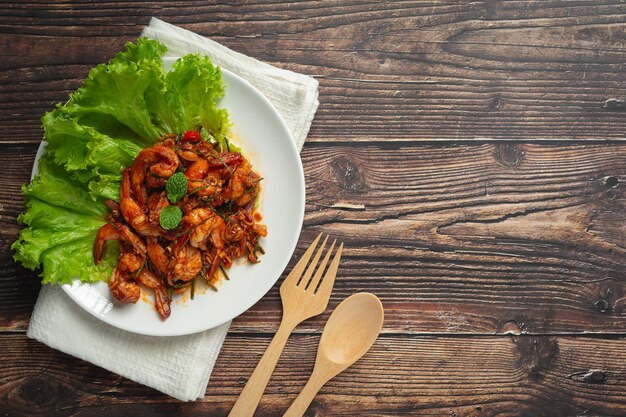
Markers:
349,333
351,329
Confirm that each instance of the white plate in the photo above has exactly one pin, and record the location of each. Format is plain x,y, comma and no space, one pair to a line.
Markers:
267,142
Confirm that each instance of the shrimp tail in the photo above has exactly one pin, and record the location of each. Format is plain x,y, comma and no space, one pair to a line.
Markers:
163,302
217,260
161,295
106,232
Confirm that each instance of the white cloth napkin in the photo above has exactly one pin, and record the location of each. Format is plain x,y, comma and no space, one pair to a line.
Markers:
177,366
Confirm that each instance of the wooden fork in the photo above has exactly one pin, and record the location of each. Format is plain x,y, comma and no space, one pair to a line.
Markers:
303,297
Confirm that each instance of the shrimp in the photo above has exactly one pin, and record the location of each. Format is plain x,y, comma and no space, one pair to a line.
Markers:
152,181
186,152
114,215
157,255
116,231
159,160
131,260
132,212
121,283
156,203
214,258
243,185
197,170
185,265
201,181
205,226
228,160
123,288
161,295
106,232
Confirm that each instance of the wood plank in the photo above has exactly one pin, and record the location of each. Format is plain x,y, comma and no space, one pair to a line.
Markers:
399,71
523,238
416,376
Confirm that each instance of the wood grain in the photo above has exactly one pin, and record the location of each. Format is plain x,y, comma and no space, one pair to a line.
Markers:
387,70
522,238
500,261
401,375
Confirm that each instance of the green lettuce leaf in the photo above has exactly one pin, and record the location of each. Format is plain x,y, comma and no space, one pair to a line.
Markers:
85,152
118,89
189,99
54,186
61,216
122,107
74,260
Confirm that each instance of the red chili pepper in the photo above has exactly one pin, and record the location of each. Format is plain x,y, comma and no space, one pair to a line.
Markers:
192,136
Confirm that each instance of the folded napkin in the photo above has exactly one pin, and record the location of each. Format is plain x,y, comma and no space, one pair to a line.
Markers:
177,366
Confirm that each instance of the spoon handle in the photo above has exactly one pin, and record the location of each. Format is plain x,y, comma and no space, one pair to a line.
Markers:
303,400
249,398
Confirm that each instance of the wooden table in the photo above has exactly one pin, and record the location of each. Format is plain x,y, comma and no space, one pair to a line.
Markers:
484,140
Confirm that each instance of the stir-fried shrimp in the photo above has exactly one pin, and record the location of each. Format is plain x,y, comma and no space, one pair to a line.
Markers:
186,152
197,170
243,186
157,255
114,215
206,227
159,161
156,203
131,261
123,288
132,258
185,265
132,212
161,295
217,219
225,160
118,232
201,181
106,232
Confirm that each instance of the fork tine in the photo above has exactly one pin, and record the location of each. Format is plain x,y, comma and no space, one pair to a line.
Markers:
320,269
329,279
305,278
296,272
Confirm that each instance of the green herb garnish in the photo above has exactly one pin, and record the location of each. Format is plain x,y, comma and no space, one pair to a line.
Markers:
170,217
176,187
224,272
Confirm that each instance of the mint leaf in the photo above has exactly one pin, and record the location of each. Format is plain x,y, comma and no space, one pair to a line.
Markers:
176,187
170,217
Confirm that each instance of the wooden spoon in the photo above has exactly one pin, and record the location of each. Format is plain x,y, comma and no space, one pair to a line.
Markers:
350,332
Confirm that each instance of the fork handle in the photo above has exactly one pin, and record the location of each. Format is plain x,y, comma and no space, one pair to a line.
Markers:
249,398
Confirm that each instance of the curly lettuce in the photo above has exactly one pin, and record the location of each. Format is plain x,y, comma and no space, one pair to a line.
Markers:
122,107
